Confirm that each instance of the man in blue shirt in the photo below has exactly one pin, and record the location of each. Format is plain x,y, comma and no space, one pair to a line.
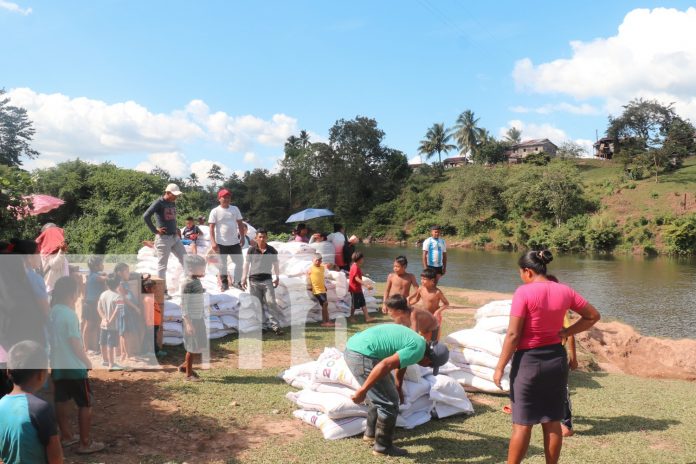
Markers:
28,431
435,253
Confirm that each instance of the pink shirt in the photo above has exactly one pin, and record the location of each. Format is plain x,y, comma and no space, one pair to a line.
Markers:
543,305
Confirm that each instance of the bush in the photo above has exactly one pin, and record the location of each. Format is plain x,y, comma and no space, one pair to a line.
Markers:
680,236
602,235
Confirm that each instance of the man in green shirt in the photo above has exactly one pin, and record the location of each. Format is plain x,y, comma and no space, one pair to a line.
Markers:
371,356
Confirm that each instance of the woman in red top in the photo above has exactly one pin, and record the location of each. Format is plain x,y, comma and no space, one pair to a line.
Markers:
539,371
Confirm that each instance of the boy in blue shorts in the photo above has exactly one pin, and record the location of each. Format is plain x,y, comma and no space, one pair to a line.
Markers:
28,430
108,307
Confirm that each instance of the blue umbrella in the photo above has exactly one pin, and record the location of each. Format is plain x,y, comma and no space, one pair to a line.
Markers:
309,213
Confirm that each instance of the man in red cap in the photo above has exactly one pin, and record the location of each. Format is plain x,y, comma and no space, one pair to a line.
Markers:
226,227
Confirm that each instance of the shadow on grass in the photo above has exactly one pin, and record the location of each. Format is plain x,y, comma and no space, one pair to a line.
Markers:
621,424
245,378
585,380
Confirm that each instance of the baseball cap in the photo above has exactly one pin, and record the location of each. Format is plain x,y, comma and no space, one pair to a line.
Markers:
438,354
173,189
224,192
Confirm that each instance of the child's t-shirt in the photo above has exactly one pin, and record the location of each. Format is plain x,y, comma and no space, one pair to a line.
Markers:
316,278
188,231
353,285
65,326
26,425
192,299
110,302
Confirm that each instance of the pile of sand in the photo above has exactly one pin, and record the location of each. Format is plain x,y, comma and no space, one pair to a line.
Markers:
620,346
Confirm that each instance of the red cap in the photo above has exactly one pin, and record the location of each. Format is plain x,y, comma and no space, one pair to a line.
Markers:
224,192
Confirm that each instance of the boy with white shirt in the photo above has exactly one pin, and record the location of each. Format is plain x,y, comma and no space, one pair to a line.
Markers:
226,227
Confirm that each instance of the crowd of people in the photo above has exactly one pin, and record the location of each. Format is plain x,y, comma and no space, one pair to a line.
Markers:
40,329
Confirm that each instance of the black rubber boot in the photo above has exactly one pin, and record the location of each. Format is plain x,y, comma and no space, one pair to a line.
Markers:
224,283
384,436
369,435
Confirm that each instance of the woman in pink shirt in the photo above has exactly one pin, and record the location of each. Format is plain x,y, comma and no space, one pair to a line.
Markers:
539,373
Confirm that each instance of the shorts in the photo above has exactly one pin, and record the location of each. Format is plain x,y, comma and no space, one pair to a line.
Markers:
89,312
437,269
108,338
358,299
127,321
197,341
78,390
321,298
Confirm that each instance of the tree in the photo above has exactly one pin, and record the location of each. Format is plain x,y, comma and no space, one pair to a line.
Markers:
16,133
304,139
436,141
14,185
679,142
537,159
491,152
513,135
467,133
646,121
215,174
570,149
192,180
161,173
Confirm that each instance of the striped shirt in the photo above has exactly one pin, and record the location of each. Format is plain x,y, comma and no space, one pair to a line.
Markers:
192,299
435,248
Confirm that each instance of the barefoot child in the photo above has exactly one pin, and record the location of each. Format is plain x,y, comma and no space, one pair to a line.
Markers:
153,319
192,310
108,307
355,284
27,423
399,282
190,235
432,298
316,283
129,315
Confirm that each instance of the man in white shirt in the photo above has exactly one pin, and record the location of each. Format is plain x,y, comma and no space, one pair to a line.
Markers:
435,253
338,239
226,227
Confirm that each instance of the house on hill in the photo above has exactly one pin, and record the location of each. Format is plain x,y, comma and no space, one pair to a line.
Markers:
518,152
604,148
455,161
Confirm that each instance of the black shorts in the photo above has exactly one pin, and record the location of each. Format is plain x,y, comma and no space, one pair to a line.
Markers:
437,269
78,390
358,299
108,338
89,312
321,298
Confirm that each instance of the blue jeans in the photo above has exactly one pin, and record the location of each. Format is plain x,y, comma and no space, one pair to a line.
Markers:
383,395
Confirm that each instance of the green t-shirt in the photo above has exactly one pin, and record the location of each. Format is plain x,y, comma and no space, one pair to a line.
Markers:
64,325
382,341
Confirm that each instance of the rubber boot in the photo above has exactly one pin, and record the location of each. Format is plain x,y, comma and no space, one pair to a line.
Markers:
384,436
224,283
369,435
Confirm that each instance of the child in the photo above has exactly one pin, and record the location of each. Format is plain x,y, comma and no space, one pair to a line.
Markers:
433,300
94,287
398,309
153,317
129,315
355,283
419,320
192,310
399,282
109,305
28,429
315,277
190,235
69,365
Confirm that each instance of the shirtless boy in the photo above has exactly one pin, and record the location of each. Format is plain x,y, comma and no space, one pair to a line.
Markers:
432,299
399,282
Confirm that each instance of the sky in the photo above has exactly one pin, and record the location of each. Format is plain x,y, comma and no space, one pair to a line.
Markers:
182,85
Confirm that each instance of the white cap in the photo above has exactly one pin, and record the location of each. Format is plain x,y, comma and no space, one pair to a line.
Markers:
173,189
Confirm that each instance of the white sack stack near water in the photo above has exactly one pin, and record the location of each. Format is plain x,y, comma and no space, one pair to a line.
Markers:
235,310
475,352
327,386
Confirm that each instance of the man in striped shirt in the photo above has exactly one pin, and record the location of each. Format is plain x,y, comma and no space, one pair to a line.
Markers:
435,253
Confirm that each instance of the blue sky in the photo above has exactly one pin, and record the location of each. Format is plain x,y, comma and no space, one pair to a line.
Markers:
185,84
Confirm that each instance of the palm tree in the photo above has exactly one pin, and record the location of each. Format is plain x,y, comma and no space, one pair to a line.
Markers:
192,180
466,132
436,141
304,139
513,135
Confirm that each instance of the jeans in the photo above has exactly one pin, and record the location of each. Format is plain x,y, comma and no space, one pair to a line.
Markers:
235,253
265,293
164,245
383,393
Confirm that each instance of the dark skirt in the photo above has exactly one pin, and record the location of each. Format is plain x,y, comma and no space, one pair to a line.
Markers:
538,381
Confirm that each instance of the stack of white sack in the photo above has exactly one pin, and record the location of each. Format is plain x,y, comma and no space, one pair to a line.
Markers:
476,351
172,328
327,386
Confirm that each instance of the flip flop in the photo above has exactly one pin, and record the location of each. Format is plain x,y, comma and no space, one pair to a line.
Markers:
193,378
93,447
507,409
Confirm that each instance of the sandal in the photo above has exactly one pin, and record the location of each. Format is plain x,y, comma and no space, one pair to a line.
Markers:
93,447
507,409
193,378
70,441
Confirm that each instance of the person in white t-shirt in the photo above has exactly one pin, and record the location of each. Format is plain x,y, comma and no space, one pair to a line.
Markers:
226,226
435,253
338,238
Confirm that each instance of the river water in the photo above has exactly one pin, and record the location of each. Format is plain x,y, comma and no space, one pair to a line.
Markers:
657,296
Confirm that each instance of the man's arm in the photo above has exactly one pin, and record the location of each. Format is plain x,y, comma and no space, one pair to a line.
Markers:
242,230
213,243
384,367
444,263
425,259
400,373
245,272
147,216
76,345
276,271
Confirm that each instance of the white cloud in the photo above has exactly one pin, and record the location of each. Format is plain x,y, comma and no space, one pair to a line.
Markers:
202,167
415,160
581,109
172,162
14,8
249,157
652,55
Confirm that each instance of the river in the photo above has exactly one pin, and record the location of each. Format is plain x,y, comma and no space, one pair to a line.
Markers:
657,296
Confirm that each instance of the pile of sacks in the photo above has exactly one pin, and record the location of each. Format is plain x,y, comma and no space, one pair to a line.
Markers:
475,352
327,386
236,310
